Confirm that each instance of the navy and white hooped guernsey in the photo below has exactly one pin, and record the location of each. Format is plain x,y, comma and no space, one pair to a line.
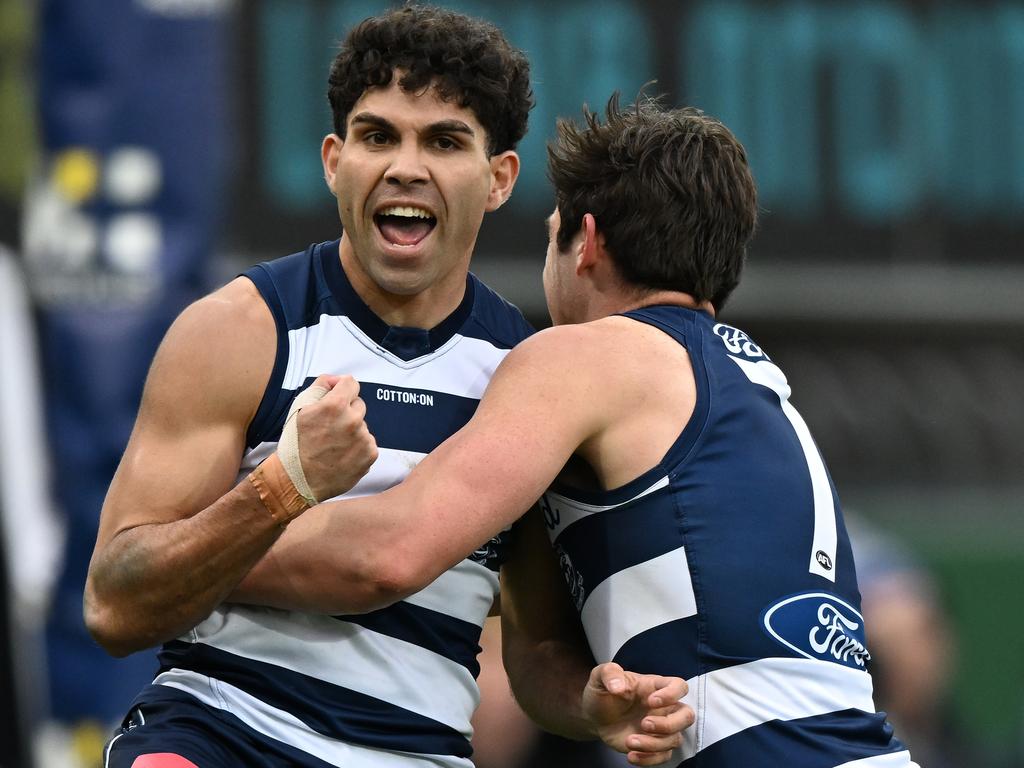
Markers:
728,564
397,686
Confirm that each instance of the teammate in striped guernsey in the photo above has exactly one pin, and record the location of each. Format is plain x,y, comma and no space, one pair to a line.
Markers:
428,107
685,503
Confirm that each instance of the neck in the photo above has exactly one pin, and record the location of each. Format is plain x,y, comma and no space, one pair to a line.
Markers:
607,305
424,309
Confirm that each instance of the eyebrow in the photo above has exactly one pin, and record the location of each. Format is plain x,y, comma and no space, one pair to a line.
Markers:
451,126
442,126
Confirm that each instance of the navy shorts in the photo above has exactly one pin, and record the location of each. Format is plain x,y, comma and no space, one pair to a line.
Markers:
167,728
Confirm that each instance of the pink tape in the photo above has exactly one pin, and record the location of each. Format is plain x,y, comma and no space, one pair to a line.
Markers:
162,760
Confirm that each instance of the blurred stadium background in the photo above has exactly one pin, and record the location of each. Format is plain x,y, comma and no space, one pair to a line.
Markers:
151,148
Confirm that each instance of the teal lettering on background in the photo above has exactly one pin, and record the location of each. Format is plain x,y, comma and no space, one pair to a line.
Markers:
579,52
287,103
982,61
756,70
879,64
298,41
876,109
869,106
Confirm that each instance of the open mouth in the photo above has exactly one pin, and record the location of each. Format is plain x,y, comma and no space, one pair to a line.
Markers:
404,225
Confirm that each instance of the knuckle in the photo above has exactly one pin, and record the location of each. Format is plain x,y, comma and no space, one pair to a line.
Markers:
371,452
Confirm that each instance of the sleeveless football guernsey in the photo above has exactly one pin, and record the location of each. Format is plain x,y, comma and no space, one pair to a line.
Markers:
728,564
397,686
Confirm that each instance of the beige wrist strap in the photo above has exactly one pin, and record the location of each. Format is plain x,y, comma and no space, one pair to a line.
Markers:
288,445
277,492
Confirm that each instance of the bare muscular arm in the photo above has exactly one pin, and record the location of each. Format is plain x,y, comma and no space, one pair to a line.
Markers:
176,534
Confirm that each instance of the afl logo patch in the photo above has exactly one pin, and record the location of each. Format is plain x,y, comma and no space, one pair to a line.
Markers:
817,625
823,559
552,515
737,342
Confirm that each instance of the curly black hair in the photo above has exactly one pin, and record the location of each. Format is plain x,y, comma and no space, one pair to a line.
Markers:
671,192
468,59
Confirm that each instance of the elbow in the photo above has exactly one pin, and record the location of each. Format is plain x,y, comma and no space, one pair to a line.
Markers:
104,630
110,628
388,575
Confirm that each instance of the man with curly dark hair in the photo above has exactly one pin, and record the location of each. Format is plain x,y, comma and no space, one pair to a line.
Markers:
374,348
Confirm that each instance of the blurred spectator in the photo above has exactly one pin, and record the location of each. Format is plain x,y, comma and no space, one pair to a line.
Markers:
913,649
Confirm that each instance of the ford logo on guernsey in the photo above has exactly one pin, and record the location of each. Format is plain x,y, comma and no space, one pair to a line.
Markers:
819,626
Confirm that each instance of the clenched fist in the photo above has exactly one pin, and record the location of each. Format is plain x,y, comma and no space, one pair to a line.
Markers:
334,447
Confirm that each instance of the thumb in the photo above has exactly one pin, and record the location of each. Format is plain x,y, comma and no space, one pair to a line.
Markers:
609,677
315,391
338,389
326,381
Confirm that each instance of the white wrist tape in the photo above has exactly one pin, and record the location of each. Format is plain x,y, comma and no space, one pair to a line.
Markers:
288,447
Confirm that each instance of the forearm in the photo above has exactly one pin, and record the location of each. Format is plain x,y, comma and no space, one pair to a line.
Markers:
153,582
358,555
544,647
641,715
548,679
333,560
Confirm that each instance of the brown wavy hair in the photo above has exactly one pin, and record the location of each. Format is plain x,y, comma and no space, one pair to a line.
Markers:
671,192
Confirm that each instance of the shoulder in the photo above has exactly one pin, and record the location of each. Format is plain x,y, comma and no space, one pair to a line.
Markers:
297,264
227,311
600,358
556,383
217,355
569,353
494,318
293,285
579,341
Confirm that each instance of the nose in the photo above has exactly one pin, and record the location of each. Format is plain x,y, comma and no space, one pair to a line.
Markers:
407,165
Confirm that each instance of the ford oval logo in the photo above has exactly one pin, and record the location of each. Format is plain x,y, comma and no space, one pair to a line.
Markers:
817,625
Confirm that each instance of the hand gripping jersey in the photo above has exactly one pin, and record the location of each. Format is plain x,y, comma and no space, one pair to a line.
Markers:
395,687
728,564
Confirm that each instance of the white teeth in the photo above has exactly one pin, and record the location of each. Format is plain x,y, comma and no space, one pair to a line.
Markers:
405,210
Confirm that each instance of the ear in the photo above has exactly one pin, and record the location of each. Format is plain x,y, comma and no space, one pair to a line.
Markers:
504,172
591,246
329,153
